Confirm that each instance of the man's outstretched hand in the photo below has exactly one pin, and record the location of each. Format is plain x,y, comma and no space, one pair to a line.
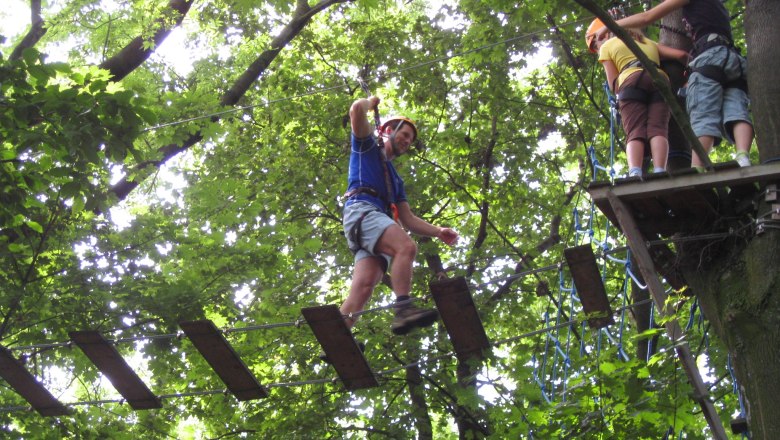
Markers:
448,236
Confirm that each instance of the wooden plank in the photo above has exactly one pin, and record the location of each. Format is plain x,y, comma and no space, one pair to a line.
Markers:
25,384
589,286
340,347
108,360
637,243
213,346
729,177
460,317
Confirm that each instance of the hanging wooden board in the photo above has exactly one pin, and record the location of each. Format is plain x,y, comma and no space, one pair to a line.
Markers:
340,346
25,384
460,317
108,360
589,286
213,346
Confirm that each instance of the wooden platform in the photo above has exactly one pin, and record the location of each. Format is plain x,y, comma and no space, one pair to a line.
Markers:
589,285
108,360
340,346
460,317
213,346
25,384
686,202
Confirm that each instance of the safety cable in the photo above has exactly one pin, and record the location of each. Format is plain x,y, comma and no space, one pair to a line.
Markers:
385,75
335,379
299,321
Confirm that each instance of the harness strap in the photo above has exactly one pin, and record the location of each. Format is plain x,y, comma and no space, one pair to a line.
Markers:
388,181
637,94
635,63
716,73
361,190
632,93
708,41
355,232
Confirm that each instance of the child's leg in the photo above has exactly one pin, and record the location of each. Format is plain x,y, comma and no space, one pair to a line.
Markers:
659,150
635,152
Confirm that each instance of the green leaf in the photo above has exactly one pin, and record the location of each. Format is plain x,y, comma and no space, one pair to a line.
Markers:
35,226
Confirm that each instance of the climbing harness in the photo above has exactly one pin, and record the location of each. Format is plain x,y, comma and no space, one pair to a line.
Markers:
633,93
717,73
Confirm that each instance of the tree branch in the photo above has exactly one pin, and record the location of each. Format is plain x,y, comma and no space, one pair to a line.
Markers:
134,54
36,32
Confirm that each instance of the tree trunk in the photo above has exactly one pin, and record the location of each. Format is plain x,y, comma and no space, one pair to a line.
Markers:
302,17
672,35
762,34
738,283
419,408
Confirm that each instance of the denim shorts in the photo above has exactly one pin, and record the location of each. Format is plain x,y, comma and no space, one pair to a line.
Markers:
711,108
373,226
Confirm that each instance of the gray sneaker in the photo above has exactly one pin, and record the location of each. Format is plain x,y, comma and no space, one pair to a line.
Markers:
410,317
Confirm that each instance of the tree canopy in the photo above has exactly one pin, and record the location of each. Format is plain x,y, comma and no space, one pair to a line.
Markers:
144,184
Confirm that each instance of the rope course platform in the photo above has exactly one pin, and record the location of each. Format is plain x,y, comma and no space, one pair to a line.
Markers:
685,202
213,346
108,360
25,384
590,287
460,317
340,346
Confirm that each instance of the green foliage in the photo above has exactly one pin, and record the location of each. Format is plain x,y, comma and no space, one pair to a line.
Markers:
244,228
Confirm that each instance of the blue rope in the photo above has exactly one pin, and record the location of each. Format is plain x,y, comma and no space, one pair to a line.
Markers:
596,165
538,381
621,353
561,284
631,274
735,387
624,291
612,102
692,312
652,325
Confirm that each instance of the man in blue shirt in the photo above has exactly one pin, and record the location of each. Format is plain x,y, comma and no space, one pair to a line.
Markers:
374,213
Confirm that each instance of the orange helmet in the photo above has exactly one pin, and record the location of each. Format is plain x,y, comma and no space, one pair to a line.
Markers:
595,25
399,120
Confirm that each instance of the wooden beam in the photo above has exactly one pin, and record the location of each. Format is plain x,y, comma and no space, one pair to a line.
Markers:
213,346
589,285
108,360
460,317
25,384
340,347
642,256
700,181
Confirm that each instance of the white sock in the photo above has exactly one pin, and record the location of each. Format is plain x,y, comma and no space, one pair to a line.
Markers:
743,159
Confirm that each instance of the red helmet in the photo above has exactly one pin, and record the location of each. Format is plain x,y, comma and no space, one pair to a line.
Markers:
397,121
595,25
